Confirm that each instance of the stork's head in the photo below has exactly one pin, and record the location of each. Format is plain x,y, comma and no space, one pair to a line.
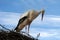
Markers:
42,11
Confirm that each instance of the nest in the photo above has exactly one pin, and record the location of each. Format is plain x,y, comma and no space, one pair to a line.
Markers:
14,36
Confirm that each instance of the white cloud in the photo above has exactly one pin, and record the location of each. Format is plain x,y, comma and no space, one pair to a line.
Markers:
48,34
45,33
9,18
55,19
49,20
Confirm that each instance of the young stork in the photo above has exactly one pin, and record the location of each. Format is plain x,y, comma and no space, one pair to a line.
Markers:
27,18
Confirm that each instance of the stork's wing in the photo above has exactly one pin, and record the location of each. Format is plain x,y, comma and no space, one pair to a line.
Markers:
20,21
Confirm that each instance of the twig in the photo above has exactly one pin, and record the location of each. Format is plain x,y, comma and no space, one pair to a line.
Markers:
4,27
38,36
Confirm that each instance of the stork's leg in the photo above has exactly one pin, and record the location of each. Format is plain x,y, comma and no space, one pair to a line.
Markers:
28,28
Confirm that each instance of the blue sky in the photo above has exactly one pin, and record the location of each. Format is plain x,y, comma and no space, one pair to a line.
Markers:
49,28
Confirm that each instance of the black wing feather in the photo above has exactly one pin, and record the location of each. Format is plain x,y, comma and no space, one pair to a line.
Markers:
20,21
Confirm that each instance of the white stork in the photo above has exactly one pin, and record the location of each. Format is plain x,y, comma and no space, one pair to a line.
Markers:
27,18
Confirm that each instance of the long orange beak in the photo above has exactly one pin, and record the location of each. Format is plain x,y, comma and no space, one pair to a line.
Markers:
42,14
